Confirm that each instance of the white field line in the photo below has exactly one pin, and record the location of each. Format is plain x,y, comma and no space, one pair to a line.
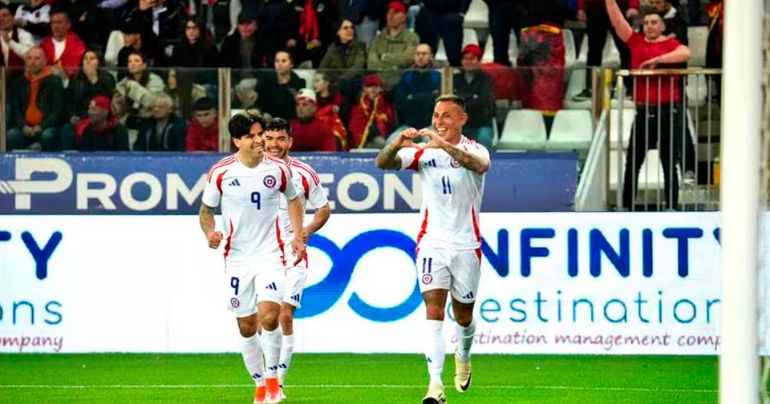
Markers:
343,386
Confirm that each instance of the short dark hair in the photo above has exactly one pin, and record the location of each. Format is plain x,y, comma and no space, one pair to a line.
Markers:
279,124
58,10
453,98
204,104
654,12
240,124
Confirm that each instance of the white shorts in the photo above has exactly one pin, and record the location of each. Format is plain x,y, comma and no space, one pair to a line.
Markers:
457,271
252,282
295,278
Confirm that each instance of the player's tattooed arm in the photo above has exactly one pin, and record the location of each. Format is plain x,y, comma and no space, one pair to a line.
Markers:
206,218
387,159
467,160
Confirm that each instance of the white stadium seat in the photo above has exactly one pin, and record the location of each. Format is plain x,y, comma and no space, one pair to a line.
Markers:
489,51
698,38
650,175
306,74
469,37
477,15
570,53
524,129
571,130
629,114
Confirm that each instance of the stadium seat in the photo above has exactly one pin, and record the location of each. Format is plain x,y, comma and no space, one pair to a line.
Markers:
629,114
489,51
524,129
570,53
469,37
610,54
582,56
696,89
698,37
306,74
477,15
571,130
650,175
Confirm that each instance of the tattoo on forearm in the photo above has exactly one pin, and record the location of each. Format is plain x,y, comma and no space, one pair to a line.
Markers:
467,160
206,217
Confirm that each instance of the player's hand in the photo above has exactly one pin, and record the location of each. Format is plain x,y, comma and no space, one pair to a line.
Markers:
650,63
299,250
404,138
434,140
215,238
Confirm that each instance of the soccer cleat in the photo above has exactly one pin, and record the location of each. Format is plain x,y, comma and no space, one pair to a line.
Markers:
283,396
273,390
259,395
462,374
435,395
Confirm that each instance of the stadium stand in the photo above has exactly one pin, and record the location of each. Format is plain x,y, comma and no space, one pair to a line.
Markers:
524,129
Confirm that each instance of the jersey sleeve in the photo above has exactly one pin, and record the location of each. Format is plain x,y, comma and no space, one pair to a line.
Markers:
287,185
316,197
410,158
212,194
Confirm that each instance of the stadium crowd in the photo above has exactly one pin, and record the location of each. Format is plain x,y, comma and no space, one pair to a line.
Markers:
119,75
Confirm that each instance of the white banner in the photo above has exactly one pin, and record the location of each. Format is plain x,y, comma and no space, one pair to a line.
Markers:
576,283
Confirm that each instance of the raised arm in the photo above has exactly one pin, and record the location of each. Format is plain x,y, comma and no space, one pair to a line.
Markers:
387,159
466,160
622,27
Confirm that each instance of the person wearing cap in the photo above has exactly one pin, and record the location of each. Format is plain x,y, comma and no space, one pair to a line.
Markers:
372,118
203,131
394,47
442,18
101,131
245,49
309,132
35,102
476,87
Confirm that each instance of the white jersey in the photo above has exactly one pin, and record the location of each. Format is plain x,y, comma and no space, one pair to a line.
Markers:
309,185
249,198
451,196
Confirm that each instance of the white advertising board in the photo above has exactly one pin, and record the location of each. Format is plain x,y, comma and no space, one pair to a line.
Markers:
577,283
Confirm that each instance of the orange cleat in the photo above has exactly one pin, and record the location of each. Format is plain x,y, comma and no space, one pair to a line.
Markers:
259,394
273,390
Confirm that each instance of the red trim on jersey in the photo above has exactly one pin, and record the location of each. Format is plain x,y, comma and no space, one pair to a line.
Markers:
423,229
305,167
229,239
416,162
219,181
284,183
280,241
476,231
305,186
221,163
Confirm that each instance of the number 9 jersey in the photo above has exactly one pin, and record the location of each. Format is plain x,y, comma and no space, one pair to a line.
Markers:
249,199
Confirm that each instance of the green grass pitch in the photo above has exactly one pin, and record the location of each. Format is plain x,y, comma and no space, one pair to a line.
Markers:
349,378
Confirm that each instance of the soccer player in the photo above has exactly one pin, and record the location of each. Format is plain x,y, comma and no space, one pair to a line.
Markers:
278,141
248,186
451,169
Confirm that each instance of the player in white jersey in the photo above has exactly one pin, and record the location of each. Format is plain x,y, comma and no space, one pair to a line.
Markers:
248,186
278,142
451,169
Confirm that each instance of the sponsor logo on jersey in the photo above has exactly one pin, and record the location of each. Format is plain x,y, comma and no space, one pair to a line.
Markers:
235,183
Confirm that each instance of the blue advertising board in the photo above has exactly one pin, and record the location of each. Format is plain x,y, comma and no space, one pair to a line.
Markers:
172,184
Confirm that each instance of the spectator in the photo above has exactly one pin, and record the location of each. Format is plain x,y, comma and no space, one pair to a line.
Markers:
281,27
34,18
14,41
476,88
276,91
164,131
86,18
162,23
220,17
203,131
183,93
417,91
329,104
245,49
366,15
316,29
676,26
504,15
196,48
101,130
134,93
594,14
35,102
63,49
541,58
309,132
345,53
87,83
245,94
371,119
132,42
657,109
715,11
394,47
443,18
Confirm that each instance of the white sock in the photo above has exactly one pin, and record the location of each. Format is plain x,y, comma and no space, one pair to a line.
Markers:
252,358
271,341
435,351
465,340
287,348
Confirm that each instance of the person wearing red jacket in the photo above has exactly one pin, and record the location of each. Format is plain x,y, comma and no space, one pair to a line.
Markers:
309,132
372,119
203,131
63,49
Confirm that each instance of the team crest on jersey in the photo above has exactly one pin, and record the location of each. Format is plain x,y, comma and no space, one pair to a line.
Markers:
427,279
235,303
269,181
454,163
